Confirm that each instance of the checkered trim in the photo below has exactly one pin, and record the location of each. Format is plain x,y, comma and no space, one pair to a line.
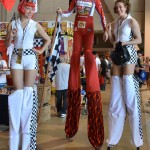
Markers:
36,64
136,84
133,54
33,126
25,52
38,42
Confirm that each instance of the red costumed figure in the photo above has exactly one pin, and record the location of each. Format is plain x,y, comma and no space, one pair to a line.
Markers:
83,36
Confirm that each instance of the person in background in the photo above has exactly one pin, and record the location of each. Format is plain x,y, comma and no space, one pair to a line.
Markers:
61,84
97,60
146,65
22,103
83,37
103,71
3,65
125,96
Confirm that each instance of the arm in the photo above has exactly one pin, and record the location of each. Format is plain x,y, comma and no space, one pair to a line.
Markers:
136,34
110,34
4,64
100,11
69,11
11,33
44,35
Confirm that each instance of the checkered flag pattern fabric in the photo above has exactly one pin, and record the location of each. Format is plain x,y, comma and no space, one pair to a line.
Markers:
38,42
55,59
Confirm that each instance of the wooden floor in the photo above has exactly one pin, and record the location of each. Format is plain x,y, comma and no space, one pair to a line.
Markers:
51,135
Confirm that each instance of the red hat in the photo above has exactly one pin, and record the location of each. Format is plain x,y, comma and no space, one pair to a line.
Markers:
24,3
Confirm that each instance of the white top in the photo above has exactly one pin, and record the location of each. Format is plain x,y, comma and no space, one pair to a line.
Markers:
3,76
122,31
62,76
81,61
98,62
25,37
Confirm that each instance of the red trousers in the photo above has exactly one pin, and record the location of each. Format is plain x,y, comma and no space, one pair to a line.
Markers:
83,37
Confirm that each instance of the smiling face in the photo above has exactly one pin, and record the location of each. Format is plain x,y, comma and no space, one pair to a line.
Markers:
29,11
120,9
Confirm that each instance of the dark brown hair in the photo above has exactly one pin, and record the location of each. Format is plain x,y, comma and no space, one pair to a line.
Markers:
126,3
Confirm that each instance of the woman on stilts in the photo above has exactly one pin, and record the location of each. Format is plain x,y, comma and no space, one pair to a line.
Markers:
125,96
24,64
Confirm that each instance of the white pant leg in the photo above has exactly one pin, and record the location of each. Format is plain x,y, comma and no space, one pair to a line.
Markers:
29,119
15,106
132,100
117,113
26,117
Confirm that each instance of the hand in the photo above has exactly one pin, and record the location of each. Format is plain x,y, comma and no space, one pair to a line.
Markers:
109,27
13,33
105,36
59,11
38,52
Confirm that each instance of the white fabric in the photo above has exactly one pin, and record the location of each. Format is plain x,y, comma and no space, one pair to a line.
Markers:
20,105
82,64
26,117
3,76
28,62
116,114
124,94
62,76
14,105
9,52
122,32
133,110
82,61
98,63
24,38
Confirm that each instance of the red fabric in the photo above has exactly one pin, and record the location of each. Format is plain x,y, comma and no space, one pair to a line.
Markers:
8,4
73,113
101,80
95,119
98,7
83,37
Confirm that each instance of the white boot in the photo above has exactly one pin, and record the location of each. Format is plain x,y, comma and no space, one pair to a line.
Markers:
116,114
15,106
132,100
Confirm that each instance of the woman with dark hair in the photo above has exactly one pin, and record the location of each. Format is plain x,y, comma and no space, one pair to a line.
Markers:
83,36
24,64
125,97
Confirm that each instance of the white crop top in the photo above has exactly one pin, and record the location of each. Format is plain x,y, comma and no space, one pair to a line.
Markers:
24,38
123,31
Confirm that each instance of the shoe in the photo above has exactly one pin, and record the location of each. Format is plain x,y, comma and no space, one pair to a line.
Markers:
108,148
62,115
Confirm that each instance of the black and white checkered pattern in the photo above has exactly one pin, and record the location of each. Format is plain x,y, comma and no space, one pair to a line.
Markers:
38,42
133,54
25,52
136,85
33,126
55,60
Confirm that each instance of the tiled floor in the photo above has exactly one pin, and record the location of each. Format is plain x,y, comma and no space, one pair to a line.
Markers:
51,135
